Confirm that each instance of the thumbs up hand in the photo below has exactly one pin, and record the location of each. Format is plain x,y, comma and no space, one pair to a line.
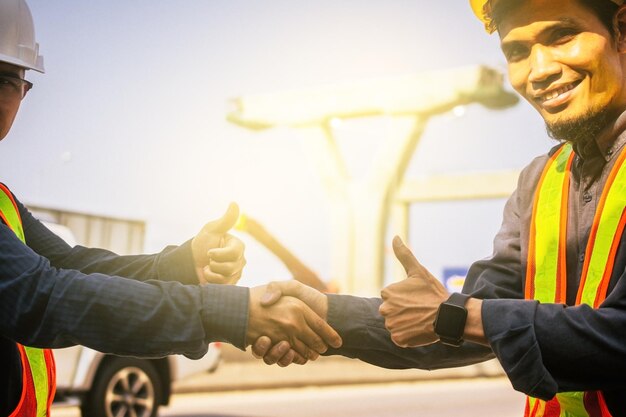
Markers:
410,306
218,256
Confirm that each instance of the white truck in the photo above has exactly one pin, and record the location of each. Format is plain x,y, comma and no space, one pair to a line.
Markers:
118,386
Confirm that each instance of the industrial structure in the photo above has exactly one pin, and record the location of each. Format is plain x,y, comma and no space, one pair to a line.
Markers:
382,199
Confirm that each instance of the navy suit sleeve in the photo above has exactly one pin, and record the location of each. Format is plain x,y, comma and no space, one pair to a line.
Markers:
172,264
53,295
365,337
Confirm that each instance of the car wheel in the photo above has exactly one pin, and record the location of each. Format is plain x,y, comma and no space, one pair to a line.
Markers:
124,387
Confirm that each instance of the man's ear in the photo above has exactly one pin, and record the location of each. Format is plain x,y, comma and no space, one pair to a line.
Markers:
619,26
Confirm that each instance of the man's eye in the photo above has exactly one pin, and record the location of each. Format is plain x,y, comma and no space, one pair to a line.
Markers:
515,53
563,35
8,83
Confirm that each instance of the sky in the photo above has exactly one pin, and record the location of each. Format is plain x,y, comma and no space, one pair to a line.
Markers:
129,118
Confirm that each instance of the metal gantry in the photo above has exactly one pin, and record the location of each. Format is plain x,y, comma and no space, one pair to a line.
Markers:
361,210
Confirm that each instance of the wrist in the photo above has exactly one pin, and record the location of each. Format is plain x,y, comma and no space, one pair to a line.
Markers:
323,311
474,331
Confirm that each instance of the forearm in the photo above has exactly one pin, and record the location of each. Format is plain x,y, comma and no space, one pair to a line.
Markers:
365,337
171,264
44,306
474,331
550,348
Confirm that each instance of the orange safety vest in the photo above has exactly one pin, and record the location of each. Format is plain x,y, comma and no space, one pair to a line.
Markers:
546,274
38,371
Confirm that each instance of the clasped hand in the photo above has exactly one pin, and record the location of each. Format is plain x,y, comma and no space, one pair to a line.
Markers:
285,327
409,308
283,349
287,323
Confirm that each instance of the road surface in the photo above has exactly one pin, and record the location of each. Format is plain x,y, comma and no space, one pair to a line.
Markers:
454,398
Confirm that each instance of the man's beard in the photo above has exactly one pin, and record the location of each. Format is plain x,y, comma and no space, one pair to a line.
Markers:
582,130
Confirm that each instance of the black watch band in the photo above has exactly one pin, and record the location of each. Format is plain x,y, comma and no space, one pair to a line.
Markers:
450,320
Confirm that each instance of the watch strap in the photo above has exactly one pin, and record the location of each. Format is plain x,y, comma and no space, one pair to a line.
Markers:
458,299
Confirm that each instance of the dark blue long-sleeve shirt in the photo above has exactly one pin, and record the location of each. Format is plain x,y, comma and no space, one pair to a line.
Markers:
53,295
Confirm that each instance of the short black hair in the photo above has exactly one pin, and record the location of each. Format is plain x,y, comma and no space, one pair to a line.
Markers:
604,9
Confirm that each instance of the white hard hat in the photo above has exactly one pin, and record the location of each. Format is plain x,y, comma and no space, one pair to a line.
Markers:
17,36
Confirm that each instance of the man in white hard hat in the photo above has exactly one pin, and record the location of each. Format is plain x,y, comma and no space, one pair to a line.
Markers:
53,295
550,304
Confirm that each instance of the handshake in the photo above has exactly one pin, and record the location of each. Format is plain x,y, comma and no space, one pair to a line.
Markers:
287,320
287,323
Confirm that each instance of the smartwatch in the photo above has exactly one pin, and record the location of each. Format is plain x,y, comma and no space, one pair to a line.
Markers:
450,320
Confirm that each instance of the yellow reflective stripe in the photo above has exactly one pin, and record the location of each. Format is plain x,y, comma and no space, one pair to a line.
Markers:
606,225
10,214
530,405
572,404
541,409
36,357
548,227
536,407
39,371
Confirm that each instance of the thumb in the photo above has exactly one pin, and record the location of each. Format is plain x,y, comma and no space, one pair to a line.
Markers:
272,294
224,223
405,256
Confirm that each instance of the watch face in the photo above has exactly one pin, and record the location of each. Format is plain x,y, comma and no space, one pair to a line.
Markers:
450,322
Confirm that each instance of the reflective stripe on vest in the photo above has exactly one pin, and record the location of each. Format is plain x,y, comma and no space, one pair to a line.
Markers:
10,214
550,217
546,275
38,372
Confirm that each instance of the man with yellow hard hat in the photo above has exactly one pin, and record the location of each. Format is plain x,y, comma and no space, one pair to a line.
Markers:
550,303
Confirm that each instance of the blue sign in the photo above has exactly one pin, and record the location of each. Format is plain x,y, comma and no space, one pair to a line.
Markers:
454,278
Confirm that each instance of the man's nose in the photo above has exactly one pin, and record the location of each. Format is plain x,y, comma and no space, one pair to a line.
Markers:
543,66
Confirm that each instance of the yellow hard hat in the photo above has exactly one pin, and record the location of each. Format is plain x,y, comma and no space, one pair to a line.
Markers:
482,10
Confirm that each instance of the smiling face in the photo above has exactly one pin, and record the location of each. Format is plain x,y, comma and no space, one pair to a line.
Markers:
563,61
9,103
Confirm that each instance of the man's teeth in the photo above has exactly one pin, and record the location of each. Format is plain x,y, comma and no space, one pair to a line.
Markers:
554,94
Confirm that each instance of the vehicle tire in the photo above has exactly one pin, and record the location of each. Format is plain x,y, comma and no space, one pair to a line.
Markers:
124,387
